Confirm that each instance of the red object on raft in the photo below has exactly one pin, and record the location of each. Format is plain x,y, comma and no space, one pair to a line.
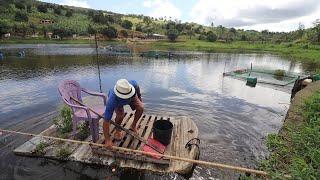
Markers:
154,143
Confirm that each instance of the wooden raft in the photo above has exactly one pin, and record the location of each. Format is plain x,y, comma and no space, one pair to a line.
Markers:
184,129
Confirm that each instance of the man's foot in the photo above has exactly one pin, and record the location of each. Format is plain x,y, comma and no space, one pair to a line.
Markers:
134,129
108,143
118,135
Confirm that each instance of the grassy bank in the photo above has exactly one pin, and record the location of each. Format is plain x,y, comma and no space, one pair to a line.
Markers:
291,50
52,41
295,151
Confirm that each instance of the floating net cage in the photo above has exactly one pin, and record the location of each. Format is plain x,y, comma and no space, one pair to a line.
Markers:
273,77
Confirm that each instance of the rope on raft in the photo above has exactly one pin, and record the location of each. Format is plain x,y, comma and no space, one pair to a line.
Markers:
198,162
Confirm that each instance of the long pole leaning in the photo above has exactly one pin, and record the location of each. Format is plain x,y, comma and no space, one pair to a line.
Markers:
198,162
120,127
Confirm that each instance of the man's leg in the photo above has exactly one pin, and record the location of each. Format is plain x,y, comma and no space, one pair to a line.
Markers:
107,140
119,118
138,106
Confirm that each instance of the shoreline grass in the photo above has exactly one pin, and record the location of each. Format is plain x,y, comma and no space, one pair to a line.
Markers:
295,151
290,50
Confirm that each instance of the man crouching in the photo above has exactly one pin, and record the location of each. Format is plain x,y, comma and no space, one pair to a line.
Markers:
124,93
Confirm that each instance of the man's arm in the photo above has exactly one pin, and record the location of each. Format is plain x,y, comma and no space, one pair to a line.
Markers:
138,93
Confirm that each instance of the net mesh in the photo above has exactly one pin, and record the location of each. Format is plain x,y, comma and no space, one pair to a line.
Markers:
264,76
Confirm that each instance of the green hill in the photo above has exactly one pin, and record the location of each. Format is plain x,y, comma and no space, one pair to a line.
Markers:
22,18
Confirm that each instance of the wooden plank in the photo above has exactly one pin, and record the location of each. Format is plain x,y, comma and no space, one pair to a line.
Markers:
126,125
145,135
130,138
140,131
112,127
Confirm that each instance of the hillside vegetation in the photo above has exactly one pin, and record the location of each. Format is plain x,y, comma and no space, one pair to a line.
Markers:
23,19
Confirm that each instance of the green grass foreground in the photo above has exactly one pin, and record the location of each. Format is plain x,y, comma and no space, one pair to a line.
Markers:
296,150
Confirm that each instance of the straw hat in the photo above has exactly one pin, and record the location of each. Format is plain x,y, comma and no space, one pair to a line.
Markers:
123,89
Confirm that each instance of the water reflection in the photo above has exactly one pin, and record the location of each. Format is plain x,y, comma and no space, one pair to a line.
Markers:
232,118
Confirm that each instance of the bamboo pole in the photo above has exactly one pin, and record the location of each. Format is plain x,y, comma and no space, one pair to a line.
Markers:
198,162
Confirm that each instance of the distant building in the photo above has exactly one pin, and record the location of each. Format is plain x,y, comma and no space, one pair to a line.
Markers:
46,21
157,36
56,37
7,35
49,34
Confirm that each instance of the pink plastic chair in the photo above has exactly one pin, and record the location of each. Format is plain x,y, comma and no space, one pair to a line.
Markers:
70,88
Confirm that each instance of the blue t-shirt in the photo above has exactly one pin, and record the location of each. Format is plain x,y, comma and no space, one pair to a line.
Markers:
114,101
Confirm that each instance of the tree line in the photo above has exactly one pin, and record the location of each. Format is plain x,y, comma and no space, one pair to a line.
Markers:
19,19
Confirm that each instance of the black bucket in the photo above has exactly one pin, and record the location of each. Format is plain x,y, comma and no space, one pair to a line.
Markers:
162,131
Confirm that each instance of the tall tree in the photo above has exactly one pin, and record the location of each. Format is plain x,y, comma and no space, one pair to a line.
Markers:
126,24
317,29
301,30
172,34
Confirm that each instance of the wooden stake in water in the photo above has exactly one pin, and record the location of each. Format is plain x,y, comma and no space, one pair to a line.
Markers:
97,58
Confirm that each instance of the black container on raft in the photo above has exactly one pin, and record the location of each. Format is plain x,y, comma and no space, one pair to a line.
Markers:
162,131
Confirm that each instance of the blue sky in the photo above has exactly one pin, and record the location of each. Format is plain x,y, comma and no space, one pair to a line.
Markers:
274,15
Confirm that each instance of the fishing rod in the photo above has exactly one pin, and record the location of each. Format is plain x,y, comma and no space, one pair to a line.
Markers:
198,162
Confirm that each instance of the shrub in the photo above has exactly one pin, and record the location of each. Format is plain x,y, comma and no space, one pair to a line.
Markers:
69,13
305,46
289,45
42,8
21,17
4,27
126,24
57,10
40,148
83,130
63,153
91,29
172,34
62,32
279,72
110,32
19,5
202,37
124,33
64,122
212,37
139,27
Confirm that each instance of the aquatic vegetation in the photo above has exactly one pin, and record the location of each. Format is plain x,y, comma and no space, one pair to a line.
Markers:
279,72
63,152
296,151
40,148
64,122
84,132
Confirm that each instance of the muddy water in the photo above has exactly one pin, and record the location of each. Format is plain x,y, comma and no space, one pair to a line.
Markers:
233,119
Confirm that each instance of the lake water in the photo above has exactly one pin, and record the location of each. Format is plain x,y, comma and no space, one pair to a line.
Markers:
233,119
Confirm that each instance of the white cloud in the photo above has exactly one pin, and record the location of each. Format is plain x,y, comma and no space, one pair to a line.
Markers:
76,3
274,15
162,8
